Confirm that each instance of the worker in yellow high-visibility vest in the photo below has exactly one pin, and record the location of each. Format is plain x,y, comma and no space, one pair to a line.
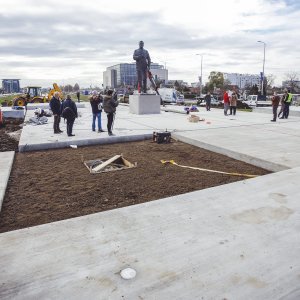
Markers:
287,103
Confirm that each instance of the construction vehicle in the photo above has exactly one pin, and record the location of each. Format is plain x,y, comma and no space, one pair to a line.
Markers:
34,95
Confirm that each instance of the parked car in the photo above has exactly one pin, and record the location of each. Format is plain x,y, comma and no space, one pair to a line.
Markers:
213,101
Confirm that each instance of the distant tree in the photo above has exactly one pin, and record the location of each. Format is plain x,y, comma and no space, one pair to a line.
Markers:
270,81
227,84
76,87
247,87
186,89
216,80
292,78
68,88
178,86
254,90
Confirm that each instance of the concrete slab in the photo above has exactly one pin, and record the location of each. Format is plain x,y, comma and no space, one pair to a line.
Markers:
220,243
250,137
270,146
294,110
6,162
42,137
230,242
141,104
33,106
9,112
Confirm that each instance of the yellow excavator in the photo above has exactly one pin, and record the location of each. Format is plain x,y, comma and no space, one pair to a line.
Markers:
34,95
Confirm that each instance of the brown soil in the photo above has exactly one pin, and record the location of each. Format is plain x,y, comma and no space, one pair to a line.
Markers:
8,143
49,186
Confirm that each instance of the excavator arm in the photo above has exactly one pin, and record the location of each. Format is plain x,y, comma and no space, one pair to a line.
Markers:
56,88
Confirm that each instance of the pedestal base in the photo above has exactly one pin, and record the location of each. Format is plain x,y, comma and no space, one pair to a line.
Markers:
140,104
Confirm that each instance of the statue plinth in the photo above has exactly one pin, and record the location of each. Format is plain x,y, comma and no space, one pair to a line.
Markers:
141,104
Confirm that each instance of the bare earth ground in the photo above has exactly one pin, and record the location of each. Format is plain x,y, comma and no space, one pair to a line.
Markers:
8,143
48,186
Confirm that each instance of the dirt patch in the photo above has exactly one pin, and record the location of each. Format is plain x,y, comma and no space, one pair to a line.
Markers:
7,142
48,186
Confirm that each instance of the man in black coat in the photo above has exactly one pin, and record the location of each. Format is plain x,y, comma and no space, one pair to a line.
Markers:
69,112
55,106
78,96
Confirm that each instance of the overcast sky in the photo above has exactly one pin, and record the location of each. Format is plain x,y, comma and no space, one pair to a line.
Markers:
48,41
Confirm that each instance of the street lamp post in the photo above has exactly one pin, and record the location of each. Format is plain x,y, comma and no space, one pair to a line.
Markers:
263,73
200,89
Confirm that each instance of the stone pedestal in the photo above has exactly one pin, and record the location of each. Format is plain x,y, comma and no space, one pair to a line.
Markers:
140,104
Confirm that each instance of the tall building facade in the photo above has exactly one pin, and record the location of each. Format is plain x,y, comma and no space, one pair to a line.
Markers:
125,74
11,85
242,80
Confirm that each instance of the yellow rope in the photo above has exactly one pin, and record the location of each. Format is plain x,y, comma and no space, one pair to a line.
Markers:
206,170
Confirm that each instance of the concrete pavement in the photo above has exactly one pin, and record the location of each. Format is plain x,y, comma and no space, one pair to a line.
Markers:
234,241
6,161
237,241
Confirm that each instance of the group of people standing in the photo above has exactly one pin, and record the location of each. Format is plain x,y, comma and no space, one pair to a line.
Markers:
68,110
108,103
230,102
285,103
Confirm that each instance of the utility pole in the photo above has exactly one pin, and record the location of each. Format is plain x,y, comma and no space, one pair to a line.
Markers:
263,72
200,81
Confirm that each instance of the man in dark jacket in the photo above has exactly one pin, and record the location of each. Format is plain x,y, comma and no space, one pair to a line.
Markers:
69,112
55,106
207,99
109,105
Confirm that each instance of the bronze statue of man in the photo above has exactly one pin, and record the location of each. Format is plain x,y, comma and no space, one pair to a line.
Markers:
143,61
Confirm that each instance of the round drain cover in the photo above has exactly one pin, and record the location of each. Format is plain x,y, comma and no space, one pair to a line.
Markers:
128,273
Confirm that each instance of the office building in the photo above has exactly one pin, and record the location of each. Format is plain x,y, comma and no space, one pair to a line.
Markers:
125,75
11,85
242,80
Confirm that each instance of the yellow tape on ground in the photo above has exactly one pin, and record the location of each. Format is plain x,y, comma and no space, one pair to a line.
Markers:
206,170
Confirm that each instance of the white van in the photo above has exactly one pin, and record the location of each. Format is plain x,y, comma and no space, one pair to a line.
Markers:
254,100
170,95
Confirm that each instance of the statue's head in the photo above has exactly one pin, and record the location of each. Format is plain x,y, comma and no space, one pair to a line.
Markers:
141,44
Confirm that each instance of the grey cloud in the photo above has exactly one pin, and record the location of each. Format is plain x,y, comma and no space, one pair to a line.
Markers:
39,36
